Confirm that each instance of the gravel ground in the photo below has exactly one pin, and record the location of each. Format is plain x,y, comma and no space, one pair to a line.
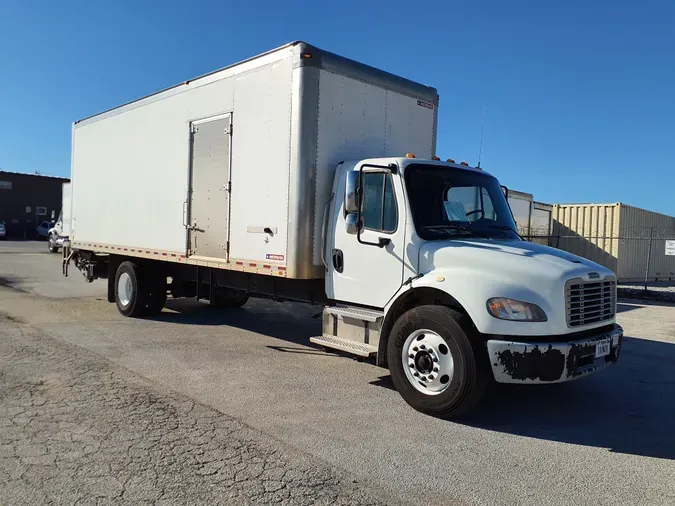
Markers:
78,430
604,440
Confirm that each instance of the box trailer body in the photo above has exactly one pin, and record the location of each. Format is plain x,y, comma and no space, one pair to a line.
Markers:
275,128
301,175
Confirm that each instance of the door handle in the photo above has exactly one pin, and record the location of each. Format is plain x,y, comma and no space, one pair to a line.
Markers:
338,260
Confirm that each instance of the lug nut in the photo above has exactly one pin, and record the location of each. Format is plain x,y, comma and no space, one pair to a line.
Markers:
422,346
412,364
435,359
416,374
435,369
423,378
412,356
415,348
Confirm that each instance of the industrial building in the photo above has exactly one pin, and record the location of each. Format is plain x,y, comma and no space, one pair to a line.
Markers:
26,200
628,240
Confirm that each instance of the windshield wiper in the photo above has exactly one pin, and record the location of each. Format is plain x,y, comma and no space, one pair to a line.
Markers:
506,227
461,228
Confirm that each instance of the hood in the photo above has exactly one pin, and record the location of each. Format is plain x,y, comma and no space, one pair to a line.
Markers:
512,257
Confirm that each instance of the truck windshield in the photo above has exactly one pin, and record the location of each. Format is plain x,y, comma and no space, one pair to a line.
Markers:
450,202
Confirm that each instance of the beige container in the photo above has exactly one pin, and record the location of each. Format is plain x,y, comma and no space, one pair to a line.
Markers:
618,237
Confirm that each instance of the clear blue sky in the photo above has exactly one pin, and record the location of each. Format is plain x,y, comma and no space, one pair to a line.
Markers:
580,95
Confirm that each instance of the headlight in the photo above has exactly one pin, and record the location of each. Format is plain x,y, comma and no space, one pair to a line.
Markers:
509,309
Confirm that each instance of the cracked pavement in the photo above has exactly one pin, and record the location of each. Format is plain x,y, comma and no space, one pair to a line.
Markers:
604,440
77,430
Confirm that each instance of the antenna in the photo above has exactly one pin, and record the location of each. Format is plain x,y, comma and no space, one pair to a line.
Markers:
482,126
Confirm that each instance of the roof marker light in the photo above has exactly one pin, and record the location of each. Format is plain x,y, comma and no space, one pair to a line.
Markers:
435,158
450,160
409,155
464,163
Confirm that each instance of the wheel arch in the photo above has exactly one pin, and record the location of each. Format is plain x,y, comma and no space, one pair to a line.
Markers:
407,300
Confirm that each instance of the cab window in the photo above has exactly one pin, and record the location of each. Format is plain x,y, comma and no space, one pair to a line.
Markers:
379,203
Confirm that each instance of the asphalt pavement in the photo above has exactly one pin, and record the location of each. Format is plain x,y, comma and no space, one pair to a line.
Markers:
606,439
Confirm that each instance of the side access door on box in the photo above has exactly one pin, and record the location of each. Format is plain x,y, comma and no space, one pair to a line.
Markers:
210,184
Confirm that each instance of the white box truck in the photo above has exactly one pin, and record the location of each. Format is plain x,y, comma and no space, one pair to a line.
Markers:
302,175
59,233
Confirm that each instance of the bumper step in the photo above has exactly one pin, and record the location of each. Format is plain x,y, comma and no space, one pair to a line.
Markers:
360,349
366,315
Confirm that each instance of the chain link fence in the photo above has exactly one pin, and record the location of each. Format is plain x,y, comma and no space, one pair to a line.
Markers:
643,259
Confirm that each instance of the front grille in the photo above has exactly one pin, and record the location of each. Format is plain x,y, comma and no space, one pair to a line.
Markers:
589,302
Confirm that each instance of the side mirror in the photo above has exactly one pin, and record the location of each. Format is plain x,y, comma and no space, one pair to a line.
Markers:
505,190
352,223
351,193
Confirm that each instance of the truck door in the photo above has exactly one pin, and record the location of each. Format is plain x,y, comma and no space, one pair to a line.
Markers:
209,196
360,271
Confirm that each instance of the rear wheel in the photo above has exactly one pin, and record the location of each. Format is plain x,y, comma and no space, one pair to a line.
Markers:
436,361
131,296
156,292
229,298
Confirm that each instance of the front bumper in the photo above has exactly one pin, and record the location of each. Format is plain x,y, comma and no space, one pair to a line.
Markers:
553,362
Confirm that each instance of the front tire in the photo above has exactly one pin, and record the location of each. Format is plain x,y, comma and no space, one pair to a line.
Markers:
437,362
51,244
131,296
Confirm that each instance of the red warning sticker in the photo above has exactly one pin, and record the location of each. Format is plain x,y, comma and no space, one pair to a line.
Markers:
270,256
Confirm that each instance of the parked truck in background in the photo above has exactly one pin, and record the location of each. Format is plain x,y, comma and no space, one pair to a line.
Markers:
60,232
300,175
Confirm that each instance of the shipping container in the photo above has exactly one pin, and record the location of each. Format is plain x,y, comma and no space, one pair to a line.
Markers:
626,239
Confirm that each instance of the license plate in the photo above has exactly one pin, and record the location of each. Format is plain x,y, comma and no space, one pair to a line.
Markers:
602,348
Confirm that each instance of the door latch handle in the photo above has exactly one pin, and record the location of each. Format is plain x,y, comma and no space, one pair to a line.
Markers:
338,260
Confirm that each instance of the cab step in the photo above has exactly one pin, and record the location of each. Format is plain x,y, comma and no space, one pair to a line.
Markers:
366,315
337,343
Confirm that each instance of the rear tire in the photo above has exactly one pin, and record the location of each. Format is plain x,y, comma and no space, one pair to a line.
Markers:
229,298
447,377
157,292
131,295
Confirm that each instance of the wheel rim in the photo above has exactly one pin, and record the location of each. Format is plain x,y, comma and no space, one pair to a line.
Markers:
427,362
125,289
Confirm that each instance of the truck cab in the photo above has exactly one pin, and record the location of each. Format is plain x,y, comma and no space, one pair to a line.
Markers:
426,271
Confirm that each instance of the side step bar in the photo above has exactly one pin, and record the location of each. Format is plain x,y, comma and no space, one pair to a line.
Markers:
360,349
366,315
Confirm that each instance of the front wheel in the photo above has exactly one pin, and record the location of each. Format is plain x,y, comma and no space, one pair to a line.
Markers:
436,361
51,244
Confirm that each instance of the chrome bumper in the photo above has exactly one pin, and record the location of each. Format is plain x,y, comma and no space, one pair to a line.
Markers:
552,362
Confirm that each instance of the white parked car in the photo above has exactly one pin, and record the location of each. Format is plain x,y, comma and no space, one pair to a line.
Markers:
3,229
42,230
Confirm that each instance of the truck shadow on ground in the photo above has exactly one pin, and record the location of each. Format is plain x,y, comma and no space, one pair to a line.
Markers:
628,408
291,322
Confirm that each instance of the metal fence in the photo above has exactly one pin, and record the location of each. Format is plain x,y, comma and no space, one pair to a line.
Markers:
645,256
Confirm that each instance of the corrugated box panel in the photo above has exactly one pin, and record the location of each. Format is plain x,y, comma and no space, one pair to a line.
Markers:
588,230
637,225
